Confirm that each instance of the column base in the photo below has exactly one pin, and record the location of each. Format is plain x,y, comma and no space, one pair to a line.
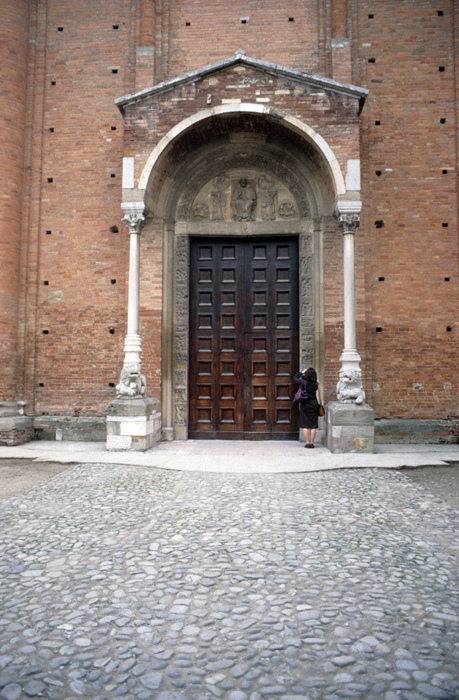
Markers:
349,427
16,430
133,424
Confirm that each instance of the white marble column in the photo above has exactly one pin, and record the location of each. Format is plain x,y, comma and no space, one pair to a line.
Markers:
348,219
135,216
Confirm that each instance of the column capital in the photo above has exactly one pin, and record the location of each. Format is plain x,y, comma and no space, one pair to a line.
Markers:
347,212
348,222
135,215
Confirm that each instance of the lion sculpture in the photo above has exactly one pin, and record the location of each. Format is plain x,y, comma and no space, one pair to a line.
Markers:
349,388
132,382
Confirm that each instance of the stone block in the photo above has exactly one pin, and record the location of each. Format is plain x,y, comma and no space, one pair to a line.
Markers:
417,431
133,424
16,430
349,427
83,428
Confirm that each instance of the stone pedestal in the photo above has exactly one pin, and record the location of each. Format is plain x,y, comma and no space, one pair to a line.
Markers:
133,424
15,427
349,427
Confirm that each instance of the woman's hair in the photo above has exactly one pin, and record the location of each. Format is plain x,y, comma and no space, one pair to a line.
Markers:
311,375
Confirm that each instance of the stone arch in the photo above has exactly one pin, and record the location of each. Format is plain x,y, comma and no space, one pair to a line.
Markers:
226,139
151,183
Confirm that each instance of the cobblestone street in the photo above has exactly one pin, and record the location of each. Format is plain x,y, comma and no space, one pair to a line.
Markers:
134,582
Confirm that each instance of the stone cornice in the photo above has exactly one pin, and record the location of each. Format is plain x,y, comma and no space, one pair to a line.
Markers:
240,58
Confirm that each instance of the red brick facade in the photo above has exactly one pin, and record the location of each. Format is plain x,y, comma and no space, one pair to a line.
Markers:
64,250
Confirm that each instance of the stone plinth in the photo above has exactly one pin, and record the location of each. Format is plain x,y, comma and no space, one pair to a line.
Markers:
15,427
15,430
349,427
133,424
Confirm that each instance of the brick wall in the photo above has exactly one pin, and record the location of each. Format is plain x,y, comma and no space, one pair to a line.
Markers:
74,280
409,221
14,43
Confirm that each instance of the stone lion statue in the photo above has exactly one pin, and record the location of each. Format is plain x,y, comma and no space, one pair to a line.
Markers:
349,388
132,382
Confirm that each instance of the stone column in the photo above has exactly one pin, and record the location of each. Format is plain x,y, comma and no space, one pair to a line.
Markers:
133,421
349,220
349,422
135,221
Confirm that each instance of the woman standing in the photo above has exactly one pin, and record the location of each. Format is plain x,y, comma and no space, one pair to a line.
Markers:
309,409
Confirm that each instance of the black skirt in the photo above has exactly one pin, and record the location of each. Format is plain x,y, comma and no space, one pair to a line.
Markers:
309,414
309,409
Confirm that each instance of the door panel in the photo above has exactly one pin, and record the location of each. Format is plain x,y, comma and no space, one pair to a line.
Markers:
243,337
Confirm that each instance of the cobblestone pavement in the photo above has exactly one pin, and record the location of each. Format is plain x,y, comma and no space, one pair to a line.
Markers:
131,582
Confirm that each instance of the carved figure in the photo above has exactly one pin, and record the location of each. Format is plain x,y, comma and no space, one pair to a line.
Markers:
243,201
265,181
268,205
349,388
222,182
218,205
200,211
132,382
286,210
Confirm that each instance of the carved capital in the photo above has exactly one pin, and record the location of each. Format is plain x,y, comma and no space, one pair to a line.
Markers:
134,222
348,222
135,216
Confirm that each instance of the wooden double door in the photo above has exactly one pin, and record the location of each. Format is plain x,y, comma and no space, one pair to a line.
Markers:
243,337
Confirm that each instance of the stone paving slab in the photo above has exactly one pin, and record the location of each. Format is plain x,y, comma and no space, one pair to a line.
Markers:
140,583
237,456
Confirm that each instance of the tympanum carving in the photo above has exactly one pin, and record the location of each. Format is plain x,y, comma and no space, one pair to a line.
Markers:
243,201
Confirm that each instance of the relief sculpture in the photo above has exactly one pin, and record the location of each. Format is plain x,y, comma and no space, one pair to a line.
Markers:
218,205
243,201
268,205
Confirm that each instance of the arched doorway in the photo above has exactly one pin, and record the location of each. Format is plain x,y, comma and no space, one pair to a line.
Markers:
191,181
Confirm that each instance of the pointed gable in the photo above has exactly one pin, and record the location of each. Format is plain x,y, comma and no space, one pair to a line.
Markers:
240,58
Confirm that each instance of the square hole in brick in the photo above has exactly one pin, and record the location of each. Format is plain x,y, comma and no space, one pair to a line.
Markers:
377,123
187,24
378,172
49,179
378,329
51,129
445,225
291,19
46,283
445,172
447,279
441,69
115,26
442,121
112,281
381,279
379,223
370,16
372,60
48,233
440,13
449,329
